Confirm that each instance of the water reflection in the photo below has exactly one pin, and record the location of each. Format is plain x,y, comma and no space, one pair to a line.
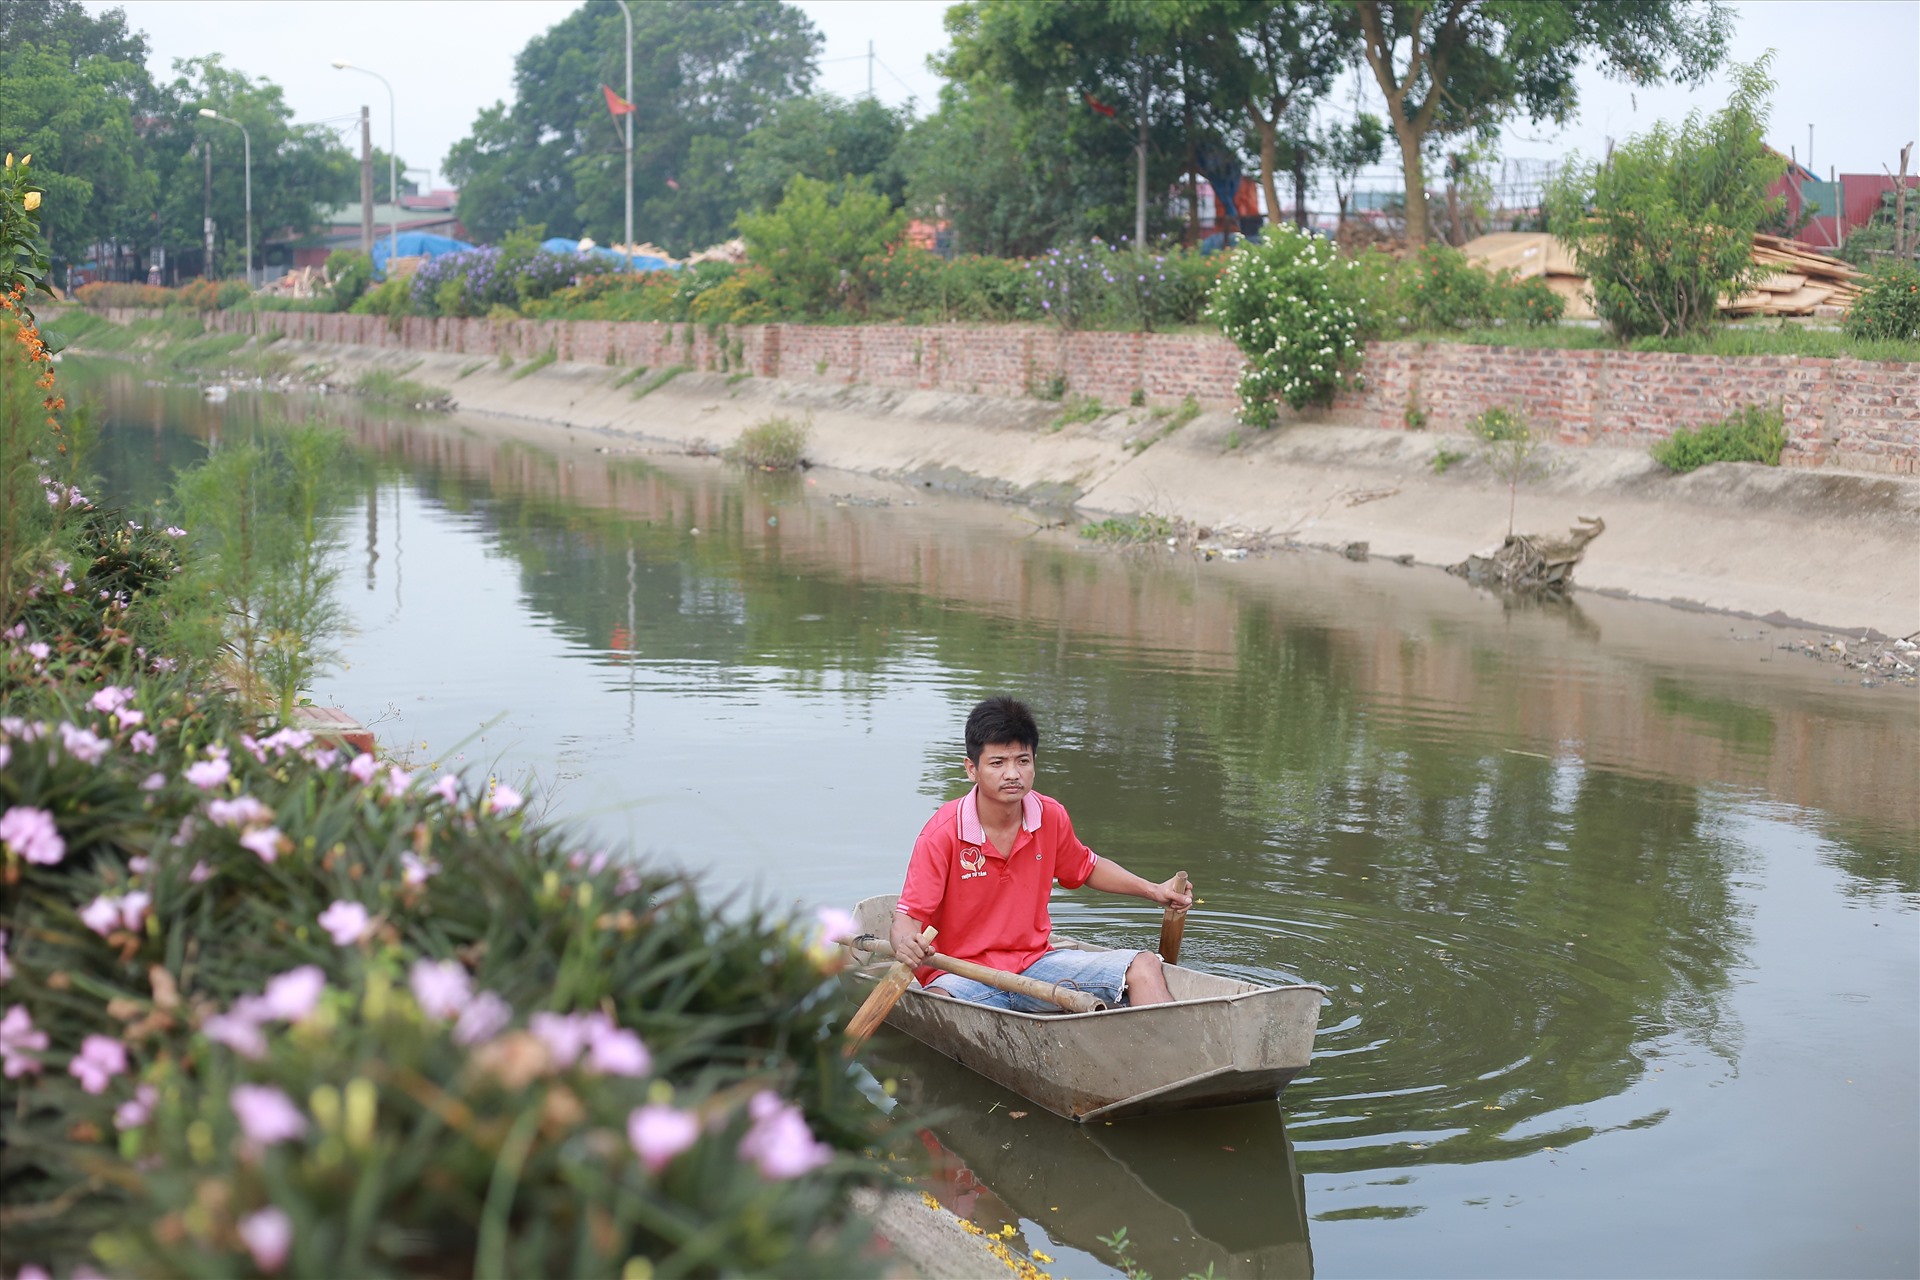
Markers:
1529,850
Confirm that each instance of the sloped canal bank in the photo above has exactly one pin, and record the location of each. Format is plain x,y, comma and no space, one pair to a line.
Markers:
1617,903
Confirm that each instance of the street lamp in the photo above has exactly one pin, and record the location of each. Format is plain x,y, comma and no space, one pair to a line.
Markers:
627,15
246,143
393,172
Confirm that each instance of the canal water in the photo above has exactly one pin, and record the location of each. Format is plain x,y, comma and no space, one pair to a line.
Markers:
1615,905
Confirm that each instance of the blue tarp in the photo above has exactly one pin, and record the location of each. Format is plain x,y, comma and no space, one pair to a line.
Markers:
641,261
414,244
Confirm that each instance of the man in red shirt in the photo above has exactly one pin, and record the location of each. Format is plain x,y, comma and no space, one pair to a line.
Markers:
983,868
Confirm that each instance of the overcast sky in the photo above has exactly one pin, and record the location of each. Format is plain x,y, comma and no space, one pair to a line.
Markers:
1849,68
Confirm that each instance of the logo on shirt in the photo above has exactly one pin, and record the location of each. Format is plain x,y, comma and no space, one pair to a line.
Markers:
973,861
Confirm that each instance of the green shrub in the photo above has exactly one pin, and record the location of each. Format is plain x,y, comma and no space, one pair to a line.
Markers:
813,244
350,273
1752,433
776,444
1664,227
390,298
1131,531
1888,309
1292,304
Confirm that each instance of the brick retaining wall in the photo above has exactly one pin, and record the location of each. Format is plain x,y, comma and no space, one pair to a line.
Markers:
1854,413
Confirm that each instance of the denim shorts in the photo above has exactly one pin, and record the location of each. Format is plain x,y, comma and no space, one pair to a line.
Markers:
1099,973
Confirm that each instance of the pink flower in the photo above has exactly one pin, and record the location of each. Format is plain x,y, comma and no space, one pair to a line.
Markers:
175,531
485,1017
779,1141
241,811
284,740
613,1052
201,873
39,650
836,925
133,910
294,994
127,716
138,1109
441,987
100,1059
266,1115
238,1031
362,767
505,800
446,786
564,1035
323,757
138,865
268,1236
143,742
153,782
30,833
398,780
111,698
31,1272
102,915
253,748
659,1133
19,1041
83,744
265,842
346,923
415,869
208,774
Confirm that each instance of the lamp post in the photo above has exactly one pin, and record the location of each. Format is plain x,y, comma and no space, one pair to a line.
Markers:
626,14
246,145
393,171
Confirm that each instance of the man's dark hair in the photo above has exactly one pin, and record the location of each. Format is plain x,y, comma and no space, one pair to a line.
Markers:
1001,719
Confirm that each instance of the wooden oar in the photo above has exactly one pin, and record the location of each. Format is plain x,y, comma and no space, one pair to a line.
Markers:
1173,924
886,993
1072,999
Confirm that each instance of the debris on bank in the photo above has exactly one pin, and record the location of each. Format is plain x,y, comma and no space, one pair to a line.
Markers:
1528,562
1879,659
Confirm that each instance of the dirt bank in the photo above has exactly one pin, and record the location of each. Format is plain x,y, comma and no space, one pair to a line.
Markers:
1826,548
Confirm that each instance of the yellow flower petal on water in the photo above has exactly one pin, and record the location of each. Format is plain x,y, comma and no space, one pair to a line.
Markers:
1006,1228
1041,1257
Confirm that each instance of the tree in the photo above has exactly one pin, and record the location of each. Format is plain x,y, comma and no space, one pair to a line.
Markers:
706,76
824,137
71,86
1448,67
296,168
813,243
1663,227
1346,149
1109,56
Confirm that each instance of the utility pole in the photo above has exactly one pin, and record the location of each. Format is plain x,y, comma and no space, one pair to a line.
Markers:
869,68
1140,180
626,16
206,206
366,181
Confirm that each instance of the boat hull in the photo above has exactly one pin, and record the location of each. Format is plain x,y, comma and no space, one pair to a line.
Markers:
1219,1042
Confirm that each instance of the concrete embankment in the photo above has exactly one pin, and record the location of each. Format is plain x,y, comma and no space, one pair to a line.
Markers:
1826,547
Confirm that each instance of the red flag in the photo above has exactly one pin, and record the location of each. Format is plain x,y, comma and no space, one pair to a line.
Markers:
616,104
1098,105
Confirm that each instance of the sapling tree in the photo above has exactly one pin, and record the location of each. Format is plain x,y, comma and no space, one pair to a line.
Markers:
1511,450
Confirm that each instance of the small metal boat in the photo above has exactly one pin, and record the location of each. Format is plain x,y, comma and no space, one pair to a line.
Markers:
1220,1041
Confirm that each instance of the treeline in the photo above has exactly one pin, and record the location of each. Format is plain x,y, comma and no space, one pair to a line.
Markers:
1056,122
129,161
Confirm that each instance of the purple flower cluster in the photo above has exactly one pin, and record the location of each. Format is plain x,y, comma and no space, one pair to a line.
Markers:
488,276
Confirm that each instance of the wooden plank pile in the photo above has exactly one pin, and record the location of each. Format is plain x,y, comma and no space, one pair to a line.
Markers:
1535,255
1803,283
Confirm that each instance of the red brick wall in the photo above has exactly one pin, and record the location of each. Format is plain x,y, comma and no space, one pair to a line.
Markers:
1853,413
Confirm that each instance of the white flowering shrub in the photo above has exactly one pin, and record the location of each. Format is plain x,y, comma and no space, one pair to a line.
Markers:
1293,304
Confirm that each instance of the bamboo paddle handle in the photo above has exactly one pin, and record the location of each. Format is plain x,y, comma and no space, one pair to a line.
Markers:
1069,998
1174,924
886,993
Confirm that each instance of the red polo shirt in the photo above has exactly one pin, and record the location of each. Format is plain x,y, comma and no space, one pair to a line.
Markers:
991,907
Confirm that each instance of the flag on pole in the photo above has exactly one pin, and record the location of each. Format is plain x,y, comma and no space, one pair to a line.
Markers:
1098,105
616,104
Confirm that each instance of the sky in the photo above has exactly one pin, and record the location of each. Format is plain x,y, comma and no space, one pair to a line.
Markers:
1848,68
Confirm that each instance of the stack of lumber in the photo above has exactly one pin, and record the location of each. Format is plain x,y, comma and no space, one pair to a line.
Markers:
1535,255
1802,283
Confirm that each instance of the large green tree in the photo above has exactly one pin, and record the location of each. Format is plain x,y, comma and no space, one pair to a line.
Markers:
706,75
1015,178
1120,59
71,86
1448,67
824,137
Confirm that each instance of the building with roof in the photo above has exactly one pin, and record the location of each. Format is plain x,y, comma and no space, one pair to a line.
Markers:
339,227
